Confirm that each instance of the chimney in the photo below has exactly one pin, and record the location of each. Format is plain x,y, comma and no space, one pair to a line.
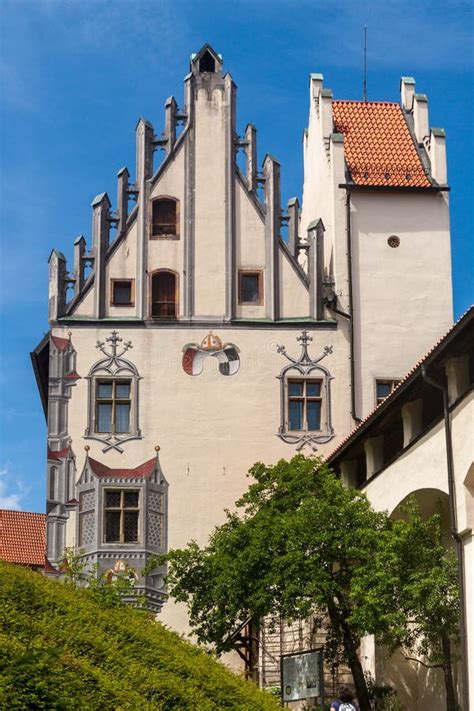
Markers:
439,168
407,92
420,117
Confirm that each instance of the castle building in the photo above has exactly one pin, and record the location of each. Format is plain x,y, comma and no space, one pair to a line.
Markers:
198,340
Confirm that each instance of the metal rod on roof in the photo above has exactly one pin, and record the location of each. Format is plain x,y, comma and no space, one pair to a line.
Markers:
364,91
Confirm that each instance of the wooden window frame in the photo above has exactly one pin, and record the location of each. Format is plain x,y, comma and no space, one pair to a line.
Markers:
304,398
393,382
113,400
176,236
251,272
176,295
112,292
122,509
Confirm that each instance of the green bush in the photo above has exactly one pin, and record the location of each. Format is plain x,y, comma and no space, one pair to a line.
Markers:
62,648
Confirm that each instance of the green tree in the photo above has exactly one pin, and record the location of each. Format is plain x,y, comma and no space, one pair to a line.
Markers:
299,542
411,594
65,647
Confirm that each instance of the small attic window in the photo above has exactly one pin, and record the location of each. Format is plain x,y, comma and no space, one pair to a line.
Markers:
207,63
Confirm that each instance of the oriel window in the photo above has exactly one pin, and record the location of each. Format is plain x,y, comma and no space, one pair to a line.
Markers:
164,295
165,218
304,405
121,516
250,287
113,405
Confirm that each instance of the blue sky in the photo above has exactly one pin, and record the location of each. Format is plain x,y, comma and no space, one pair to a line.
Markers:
75,76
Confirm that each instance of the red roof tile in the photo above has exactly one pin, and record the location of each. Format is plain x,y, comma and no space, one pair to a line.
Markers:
60,343
48,568
143,471
22,537
58,455
378,146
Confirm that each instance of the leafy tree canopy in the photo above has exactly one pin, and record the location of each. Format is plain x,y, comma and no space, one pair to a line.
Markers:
301,544
67,648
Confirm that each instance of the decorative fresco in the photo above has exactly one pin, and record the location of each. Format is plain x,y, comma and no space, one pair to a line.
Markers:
227,355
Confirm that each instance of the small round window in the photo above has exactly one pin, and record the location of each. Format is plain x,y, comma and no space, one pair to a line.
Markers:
393,241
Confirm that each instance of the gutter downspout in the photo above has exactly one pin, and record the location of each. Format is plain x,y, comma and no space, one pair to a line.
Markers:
354,415
454,529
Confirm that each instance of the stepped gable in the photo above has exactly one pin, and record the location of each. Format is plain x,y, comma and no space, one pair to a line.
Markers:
378,145
22,537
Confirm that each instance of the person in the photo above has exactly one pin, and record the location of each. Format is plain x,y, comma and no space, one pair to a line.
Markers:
345,702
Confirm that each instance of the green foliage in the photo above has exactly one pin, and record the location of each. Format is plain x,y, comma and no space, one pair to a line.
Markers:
411,591
303,544
68,648
295,546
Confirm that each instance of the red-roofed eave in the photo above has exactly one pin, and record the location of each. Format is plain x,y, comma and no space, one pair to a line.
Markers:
404,382
142,471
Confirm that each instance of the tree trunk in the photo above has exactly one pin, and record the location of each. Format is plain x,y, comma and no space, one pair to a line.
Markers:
352,659
451,703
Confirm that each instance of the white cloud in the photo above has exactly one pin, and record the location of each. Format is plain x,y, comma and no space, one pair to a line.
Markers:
8,499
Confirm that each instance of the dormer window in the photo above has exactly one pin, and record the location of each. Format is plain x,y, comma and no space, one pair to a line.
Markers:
165,218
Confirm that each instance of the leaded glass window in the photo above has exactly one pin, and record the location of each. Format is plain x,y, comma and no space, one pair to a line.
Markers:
113,404
304,402
121,516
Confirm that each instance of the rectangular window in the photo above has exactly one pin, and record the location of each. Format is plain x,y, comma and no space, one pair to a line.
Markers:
113,404
383,388
121,516
304,405
165,218
250,287
121,292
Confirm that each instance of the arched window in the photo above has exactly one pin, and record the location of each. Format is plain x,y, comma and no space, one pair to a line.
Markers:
53,482
164,294
165,218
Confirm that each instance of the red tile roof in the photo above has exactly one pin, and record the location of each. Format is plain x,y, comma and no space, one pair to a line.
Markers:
143,471
22,537
57,455
467,315
60,343
378,146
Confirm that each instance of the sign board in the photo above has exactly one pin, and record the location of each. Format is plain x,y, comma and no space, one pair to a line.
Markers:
302,675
